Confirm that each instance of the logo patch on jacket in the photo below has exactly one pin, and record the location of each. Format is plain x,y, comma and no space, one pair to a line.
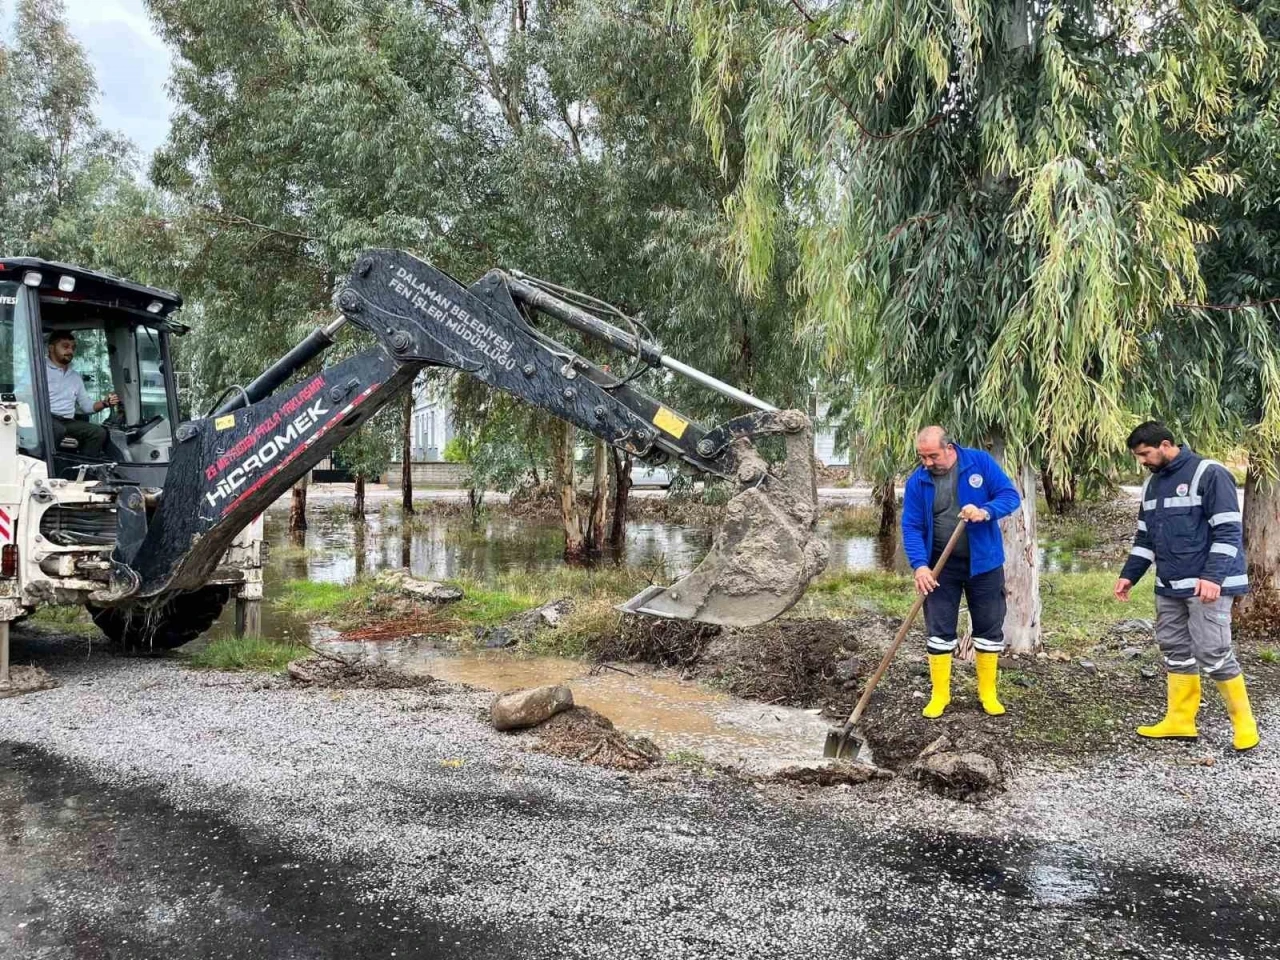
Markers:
975,480
1183,489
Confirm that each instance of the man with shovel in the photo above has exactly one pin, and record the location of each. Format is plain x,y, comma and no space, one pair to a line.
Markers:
954,483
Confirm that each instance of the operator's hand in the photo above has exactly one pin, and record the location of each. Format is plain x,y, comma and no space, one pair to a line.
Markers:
1208,591
1122,589
112,400
925,584
974,514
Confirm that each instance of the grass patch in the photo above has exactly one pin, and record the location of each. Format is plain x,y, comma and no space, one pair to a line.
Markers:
848,593
491,601
66,619
245,653
856,521
1269,655
1077,536
310,600
588,621
686,758
1078,607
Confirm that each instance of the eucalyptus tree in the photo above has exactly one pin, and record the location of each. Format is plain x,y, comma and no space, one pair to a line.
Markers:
303,133
62,177
988,219
1214,365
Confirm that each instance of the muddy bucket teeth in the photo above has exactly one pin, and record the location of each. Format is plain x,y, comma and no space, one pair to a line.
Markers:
766,552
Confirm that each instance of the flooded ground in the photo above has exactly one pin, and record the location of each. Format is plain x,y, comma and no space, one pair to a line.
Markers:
681,716
684,718
443,546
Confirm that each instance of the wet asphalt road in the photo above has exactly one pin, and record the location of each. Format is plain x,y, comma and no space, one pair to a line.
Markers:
89,870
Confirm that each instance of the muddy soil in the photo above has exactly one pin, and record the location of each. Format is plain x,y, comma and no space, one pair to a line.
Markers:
1064,710
27,679
582,734
330,673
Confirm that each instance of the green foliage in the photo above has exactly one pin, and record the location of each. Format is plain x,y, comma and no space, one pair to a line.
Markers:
68,188
312,600
66,619
245,653
455,451
986,207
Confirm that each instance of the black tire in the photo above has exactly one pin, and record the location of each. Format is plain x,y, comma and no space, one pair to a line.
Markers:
149,629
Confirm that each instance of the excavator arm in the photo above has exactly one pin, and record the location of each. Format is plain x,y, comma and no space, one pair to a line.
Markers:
228,467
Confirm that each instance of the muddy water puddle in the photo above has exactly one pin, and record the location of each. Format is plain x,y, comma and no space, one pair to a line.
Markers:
681,716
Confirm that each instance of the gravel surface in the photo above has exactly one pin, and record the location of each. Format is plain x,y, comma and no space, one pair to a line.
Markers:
430,812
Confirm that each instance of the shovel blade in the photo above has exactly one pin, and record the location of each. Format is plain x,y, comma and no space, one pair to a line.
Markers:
847,744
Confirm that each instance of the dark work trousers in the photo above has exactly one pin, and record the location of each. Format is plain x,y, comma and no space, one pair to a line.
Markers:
92,436
985,595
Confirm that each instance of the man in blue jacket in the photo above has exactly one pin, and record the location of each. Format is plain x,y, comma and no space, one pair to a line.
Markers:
1190,526
954,482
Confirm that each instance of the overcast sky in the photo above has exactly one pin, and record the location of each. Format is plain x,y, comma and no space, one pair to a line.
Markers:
131,64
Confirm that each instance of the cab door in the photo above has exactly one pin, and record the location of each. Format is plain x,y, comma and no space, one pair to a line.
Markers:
22,366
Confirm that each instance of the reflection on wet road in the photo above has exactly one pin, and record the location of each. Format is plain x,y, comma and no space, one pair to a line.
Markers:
95,871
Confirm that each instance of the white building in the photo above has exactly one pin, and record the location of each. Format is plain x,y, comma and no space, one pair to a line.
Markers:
432,423
433,427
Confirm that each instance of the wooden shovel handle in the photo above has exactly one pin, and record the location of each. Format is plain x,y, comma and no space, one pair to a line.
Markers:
902,632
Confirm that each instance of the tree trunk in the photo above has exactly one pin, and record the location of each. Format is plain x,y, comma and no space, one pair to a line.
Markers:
886,498
406,457
1021,572
1059,492
1261,543
358,510
599,498
622,462
361,553
563,436
298,508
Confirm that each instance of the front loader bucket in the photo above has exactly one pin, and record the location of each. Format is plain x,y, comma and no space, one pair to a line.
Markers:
767,549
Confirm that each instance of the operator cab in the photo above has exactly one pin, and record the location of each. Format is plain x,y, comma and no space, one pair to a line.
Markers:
121,336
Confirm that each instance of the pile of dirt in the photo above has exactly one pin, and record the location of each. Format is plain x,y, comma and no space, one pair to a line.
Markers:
837,773
586,736
26,680
327,672
667,643
799,663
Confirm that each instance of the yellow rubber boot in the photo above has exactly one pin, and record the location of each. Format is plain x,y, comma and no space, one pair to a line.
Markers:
987,664
1246,728
1179,721
940,674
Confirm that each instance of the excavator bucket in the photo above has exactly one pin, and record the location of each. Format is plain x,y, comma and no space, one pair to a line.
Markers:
767,549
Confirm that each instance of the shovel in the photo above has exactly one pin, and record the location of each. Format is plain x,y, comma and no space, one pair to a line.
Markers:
837,744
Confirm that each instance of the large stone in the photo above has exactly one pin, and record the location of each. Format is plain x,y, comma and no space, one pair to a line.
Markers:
962,775
517,709
429,591
523,626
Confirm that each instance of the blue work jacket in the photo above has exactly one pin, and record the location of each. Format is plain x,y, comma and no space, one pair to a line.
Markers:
981,482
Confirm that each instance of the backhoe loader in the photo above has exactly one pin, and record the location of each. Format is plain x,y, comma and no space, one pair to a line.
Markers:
163,526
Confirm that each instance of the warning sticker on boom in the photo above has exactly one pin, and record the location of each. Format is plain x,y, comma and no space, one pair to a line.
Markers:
225,423
670,422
